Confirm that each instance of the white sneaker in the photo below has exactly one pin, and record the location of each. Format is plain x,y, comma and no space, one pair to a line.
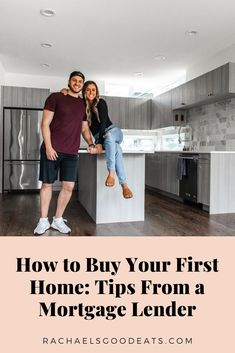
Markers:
42,226
58,224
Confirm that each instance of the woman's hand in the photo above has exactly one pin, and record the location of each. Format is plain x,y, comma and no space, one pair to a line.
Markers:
51,154
64,91
99,148
92,150
95,149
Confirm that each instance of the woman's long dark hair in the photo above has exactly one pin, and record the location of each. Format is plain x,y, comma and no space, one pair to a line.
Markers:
91,106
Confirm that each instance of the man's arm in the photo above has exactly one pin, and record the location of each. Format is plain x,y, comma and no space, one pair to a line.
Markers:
86,134
46,134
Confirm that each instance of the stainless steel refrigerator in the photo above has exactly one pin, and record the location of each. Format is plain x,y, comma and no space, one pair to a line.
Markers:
21,149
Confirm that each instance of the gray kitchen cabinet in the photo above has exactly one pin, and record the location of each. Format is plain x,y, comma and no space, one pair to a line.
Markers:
14,96
203,88
153,170
163,168
162,183
147,169
139,114
146,111
121,115
203,185
157,171
156,113
172,183
24,97
113,104
35,97
118,108
129,113
190,90
177,98
210,87
187,94
161,172
216,82
162,115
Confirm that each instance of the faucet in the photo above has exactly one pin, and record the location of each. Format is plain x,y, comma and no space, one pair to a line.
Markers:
179,138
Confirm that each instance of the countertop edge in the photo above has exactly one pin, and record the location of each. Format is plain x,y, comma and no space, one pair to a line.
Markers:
197,152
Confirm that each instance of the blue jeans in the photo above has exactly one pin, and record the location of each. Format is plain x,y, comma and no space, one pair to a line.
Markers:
112,139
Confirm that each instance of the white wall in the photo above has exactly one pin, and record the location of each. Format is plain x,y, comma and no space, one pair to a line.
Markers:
221,58
54,83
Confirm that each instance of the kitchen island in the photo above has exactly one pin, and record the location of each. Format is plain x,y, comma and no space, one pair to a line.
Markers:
106,204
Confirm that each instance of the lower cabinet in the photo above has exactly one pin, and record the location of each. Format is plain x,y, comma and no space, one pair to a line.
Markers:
153,170
172,184
203,180
161,172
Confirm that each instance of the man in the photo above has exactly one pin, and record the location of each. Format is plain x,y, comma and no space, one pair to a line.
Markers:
63,121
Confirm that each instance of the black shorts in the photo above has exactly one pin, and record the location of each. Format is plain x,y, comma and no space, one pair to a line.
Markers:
65,164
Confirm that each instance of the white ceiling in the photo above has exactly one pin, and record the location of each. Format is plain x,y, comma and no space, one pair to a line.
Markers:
111,40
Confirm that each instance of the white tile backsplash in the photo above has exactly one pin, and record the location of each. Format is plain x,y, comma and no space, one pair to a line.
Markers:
213,125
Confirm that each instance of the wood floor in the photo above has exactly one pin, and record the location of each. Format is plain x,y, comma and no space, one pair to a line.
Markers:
163,217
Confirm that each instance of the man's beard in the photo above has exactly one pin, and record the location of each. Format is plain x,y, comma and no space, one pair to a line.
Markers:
71,89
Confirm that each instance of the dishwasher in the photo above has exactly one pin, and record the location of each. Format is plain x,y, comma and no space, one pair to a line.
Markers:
188,179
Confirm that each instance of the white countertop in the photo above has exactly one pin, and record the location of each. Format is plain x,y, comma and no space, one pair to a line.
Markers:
168,151
123,151
180,152
222,152
196,152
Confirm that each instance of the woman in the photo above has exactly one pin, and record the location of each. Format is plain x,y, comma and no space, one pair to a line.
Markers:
106,135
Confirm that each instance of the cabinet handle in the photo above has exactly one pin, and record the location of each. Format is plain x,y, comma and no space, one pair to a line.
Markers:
195,158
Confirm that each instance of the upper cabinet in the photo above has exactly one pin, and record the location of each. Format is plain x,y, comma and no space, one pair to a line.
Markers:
214,85
186,94
129,113
23,97
169,108
217,81
162,115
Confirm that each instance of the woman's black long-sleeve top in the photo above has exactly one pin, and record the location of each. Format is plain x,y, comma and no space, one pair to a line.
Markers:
100,126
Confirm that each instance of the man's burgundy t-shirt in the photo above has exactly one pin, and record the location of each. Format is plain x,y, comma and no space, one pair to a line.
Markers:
66,125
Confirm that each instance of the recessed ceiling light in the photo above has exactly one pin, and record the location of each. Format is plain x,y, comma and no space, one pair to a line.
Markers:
46,45
45,66
191,33
138,74
47,12
160,57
